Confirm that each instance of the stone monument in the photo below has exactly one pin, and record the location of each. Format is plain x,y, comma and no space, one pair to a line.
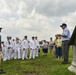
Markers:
72,68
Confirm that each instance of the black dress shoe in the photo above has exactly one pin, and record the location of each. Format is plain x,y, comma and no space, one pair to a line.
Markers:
64,62
1,71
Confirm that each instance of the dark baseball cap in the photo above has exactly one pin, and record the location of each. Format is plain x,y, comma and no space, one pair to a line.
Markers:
63,25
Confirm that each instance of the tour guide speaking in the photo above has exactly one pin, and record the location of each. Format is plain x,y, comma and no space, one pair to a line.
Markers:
65,42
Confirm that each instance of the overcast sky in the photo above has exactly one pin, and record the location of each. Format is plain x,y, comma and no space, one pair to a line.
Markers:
40,18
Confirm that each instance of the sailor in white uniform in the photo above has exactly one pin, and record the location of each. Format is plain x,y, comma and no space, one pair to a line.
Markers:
37,46
13,48
8,48
25,47
32,48
17,49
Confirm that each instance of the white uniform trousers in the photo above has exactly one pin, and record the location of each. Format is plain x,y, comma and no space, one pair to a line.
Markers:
17,53
8,54
36,52
4,55
24,54
12,53
32,54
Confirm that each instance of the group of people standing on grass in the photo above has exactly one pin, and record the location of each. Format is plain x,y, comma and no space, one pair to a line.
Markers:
61,44
18,49
54,47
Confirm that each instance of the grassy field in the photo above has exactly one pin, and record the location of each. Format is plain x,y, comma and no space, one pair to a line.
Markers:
43,65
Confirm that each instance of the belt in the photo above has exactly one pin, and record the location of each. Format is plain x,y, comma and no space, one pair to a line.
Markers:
65,40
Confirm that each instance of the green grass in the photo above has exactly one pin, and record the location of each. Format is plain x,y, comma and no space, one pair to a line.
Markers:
43,65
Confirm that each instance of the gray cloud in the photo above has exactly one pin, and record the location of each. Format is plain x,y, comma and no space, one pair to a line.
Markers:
56,8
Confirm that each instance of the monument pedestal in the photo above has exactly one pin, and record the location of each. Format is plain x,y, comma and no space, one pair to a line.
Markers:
72,42
72,68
